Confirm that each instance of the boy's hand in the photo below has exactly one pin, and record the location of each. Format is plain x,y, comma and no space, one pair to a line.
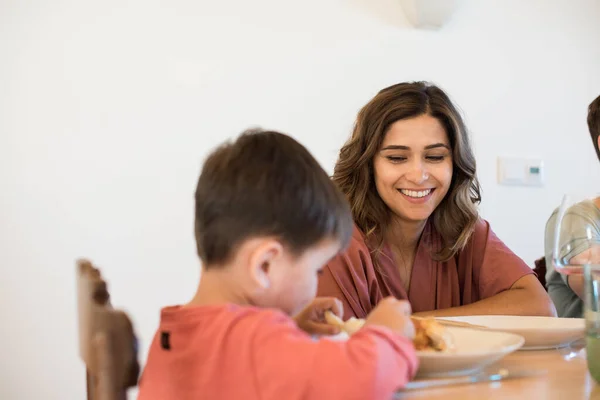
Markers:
312,318
393,314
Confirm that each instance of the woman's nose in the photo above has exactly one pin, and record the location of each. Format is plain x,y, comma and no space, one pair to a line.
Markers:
417,173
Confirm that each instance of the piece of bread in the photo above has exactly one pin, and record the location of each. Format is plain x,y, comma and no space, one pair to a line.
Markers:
430,334
350,326
353,325
333,319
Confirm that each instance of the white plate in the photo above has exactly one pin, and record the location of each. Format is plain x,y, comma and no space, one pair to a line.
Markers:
475,349
539,332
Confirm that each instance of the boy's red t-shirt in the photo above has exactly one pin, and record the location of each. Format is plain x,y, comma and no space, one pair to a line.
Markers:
238,352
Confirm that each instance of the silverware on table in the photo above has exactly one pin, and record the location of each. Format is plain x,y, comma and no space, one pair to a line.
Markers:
500,375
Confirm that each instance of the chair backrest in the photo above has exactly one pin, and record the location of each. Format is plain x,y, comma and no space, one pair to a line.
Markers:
540,270
107,342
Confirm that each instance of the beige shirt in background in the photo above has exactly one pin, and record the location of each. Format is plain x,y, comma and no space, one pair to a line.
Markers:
581,220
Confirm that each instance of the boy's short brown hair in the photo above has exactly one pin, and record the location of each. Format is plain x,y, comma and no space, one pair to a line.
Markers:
266,184
593,121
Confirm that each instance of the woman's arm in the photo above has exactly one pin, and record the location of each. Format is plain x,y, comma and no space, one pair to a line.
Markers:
504,283
525,297
349,277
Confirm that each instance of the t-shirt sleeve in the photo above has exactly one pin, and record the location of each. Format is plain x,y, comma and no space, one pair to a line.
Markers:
350,278
289,364
499,268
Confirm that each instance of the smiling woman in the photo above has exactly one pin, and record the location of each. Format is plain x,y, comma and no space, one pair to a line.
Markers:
409,173
413,178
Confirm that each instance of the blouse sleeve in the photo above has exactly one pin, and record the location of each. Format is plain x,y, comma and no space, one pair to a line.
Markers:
499,268
350,277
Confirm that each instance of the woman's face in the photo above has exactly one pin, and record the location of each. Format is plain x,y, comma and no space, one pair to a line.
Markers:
413,168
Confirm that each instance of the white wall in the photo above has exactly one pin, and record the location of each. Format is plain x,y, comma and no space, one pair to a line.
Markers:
107,110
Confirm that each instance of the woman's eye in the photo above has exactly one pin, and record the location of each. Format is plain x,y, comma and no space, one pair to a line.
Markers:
436,158
396,159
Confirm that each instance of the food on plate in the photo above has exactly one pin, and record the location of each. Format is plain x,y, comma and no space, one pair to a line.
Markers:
430,334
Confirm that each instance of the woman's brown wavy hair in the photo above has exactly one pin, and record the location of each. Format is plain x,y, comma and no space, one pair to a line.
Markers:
455,218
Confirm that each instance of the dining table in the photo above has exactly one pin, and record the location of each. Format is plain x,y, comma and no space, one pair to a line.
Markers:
554,374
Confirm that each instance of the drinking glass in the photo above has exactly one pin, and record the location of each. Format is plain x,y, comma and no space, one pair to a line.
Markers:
576,251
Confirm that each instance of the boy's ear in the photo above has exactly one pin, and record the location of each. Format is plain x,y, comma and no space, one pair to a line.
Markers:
262,259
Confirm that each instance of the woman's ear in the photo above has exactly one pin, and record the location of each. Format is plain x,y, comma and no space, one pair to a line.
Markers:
262,260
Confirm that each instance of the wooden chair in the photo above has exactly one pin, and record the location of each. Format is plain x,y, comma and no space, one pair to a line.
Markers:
540,270
107,342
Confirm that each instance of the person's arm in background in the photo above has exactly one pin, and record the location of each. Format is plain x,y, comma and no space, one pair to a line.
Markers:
589,256
582,220
575,282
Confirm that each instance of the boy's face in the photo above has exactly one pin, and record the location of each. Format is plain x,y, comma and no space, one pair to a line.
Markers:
293,280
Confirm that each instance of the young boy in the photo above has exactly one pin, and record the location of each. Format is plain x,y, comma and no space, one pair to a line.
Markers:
267,219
